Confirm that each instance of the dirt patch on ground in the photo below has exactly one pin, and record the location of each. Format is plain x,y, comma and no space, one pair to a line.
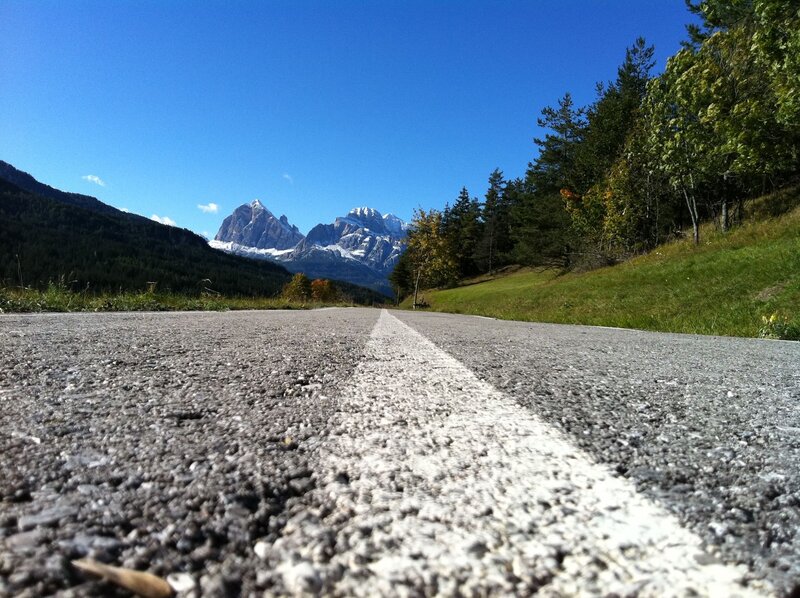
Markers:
769,292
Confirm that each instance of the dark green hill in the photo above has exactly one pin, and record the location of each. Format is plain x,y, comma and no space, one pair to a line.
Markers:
44,240
27,183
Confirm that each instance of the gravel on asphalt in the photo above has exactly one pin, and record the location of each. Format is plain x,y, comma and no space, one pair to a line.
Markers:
163,442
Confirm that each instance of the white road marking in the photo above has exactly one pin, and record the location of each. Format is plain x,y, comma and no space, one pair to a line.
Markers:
437,483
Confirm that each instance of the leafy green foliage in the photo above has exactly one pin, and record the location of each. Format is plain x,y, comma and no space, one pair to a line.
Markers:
429,254
776,38
779,327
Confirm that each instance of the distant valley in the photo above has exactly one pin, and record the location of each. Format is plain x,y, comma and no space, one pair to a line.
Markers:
361,248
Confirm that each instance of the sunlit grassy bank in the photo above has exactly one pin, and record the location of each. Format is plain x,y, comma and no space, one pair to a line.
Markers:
727,286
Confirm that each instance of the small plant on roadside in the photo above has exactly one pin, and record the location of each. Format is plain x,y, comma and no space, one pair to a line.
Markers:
58,296
779,327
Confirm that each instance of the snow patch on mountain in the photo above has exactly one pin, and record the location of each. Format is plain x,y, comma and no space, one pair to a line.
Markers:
395,225
254,252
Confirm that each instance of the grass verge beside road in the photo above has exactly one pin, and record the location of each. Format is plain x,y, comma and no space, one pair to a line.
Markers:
742,283
58,299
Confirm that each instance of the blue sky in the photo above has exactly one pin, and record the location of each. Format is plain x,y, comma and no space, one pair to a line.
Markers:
311,107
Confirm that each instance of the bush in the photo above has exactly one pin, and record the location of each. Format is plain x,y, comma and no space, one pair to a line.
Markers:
323,291
297,289
779,327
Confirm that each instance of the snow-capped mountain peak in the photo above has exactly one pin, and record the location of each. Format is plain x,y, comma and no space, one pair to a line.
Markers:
253,225
364,213
368,218
361,247
395,225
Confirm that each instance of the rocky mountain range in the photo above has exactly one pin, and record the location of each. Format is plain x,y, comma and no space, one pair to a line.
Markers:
361,247
253,225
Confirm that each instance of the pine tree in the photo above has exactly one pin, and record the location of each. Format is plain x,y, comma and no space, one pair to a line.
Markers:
401,277
495,224
540,225
612,117
462,226
556,166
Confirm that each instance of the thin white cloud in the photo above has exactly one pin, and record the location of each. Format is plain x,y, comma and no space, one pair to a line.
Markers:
163,220
93,178
288,177
209,208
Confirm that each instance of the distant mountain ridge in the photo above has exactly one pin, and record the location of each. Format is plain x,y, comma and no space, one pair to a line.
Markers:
361,247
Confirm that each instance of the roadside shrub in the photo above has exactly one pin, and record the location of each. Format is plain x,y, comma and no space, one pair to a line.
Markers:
779,327
297,289
322,290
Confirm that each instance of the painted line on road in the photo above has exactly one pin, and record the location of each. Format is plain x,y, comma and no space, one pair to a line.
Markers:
439,483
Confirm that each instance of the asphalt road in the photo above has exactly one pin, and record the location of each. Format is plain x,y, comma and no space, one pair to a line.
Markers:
355,452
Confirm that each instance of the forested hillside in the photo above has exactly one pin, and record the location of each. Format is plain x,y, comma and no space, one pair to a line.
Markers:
44,241
26,182
648,161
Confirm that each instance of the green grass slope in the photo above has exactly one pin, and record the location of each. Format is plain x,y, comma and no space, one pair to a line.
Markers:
725,286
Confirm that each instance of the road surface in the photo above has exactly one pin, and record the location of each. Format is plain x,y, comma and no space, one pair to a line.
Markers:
367,452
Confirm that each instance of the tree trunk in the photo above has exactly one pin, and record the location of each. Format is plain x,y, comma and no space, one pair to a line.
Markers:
724,218
692,205
19,273
691,201
416,289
